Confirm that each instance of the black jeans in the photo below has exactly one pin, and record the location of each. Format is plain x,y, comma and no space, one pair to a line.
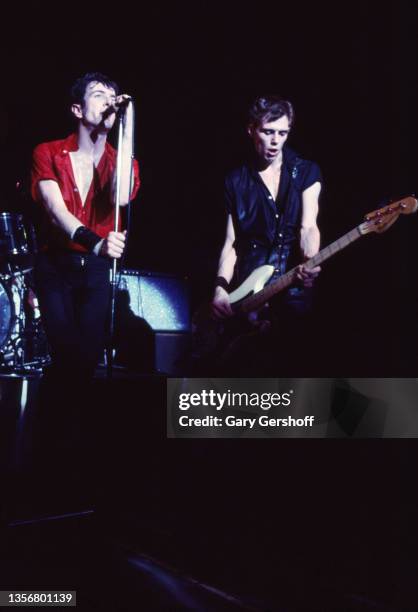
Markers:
74,292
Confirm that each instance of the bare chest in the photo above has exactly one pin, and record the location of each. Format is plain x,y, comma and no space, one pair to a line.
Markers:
271,179
83,170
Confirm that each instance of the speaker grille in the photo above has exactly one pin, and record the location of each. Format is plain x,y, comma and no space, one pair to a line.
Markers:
162,300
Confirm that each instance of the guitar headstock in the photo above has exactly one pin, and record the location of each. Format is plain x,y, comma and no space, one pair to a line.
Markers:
380,220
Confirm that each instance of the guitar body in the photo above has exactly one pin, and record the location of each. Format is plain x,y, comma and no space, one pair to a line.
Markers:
218,343
213,337
252,284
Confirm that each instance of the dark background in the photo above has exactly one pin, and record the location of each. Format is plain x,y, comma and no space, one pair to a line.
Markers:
334,512
192,69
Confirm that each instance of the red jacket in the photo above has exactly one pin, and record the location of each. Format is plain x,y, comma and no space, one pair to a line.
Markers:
51,161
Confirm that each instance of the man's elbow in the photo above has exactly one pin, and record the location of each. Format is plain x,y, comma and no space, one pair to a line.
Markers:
310,228
50,210
125,200
54,217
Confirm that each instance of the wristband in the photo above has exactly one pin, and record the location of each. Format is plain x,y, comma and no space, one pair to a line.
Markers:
86,238
222,282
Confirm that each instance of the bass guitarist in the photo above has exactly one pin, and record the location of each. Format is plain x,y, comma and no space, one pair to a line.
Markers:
272,206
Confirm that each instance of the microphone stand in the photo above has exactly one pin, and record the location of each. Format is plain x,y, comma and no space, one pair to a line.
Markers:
113,282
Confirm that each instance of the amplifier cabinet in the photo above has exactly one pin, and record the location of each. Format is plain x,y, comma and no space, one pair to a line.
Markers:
152,322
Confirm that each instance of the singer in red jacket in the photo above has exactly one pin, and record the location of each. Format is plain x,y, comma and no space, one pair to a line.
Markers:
74,181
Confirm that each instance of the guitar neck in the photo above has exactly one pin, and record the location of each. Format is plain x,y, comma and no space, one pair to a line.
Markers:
255,301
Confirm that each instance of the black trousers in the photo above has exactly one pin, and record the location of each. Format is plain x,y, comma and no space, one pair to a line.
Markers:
74,293
286,348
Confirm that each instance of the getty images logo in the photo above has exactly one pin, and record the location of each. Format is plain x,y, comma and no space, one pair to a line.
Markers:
233,399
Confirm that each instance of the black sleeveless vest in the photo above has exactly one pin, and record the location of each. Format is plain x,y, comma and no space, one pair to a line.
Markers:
267,231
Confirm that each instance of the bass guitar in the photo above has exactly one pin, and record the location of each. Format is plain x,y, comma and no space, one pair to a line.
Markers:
253,293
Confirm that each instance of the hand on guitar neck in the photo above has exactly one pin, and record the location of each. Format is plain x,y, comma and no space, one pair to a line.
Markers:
307,275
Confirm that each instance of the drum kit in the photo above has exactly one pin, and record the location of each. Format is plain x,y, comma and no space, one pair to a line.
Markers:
23,344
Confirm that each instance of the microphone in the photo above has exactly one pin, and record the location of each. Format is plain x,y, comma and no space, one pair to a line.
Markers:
117,106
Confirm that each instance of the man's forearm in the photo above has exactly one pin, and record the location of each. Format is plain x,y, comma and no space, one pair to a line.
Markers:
65,220
127,177
57,209
226,264
310,239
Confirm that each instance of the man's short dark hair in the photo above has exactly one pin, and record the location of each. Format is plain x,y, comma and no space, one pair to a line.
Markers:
270,108
78,90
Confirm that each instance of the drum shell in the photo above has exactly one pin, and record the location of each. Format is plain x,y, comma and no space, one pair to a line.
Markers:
7,312
13,235
23,342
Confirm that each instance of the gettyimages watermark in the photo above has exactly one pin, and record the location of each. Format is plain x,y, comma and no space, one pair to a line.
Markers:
298,407
232,400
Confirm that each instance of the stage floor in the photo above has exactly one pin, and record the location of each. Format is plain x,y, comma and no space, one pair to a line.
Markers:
100,501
